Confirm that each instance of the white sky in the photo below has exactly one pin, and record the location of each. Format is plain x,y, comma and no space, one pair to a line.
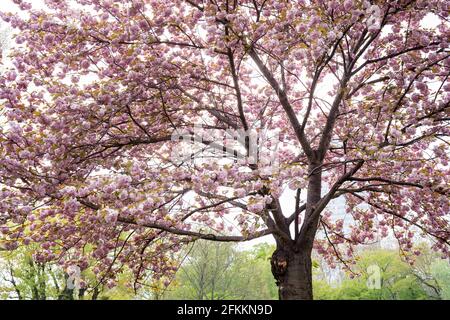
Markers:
9,5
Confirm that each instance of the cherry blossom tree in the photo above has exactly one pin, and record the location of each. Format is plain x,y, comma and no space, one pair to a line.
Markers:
356,91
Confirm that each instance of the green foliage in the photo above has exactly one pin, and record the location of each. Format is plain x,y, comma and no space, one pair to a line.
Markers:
323,290
122,291
23,278
221,271
398,280
214,270
440,271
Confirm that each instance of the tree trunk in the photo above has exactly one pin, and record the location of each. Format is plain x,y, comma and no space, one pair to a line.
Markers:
291,261
293,274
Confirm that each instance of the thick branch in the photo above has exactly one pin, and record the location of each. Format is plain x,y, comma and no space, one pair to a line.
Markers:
197,235
284,102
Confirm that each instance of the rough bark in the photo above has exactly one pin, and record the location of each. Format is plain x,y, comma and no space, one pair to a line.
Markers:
293,273
291,261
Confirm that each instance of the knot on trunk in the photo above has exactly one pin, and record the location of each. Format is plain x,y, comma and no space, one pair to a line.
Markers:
279,263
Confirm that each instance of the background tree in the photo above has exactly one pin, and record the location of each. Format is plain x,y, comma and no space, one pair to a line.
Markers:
441,272
424,270
23,278
99,92
217,271
399,280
